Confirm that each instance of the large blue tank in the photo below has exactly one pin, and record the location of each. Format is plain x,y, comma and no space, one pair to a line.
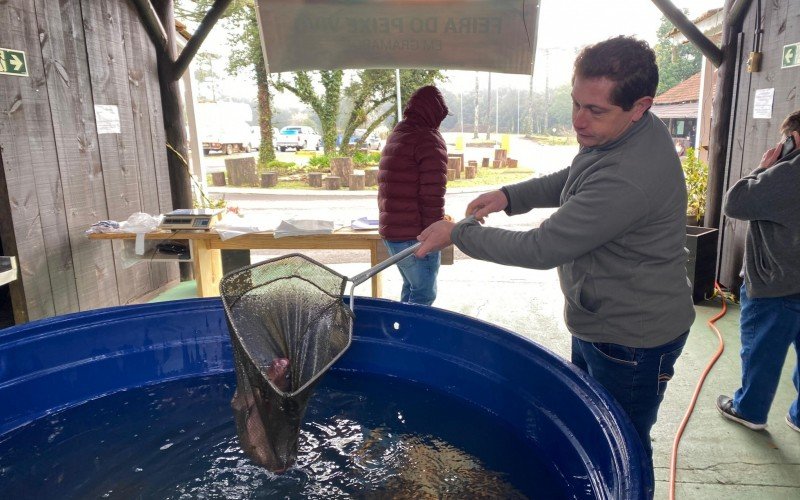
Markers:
53,364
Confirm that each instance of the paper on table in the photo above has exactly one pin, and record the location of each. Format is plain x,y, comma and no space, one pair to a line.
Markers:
233,225
304,227
363,224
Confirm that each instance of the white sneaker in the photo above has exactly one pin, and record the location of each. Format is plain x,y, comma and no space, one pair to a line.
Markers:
791,424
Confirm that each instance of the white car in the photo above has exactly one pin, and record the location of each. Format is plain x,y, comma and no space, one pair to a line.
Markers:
371,142
298,137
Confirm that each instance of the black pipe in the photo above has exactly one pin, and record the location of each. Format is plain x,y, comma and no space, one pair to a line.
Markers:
198,37
152,24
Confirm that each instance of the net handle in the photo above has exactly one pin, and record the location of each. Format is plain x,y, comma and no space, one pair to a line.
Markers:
394,259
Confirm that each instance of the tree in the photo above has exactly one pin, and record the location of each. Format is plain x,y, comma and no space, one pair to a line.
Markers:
326,105
246,56
676,63
373,92
205,74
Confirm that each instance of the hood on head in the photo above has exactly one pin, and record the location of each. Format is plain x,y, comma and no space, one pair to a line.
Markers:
427,104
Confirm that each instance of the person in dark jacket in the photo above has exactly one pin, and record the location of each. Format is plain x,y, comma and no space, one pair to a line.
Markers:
769,200
412,179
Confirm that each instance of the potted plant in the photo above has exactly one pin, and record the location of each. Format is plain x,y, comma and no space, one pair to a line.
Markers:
701,267
695,171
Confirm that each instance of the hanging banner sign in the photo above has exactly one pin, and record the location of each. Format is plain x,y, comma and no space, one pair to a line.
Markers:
481,35
12,62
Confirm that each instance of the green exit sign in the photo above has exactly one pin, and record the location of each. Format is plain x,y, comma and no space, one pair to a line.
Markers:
12,62
790,56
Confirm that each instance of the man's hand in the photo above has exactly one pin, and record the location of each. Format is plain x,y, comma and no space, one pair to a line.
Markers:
435,237
487,203
771,156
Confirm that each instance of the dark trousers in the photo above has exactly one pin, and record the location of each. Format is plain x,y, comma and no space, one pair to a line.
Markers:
636,377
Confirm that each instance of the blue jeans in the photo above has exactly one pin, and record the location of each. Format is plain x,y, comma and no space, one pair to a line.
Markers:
768,327
636,377
419,275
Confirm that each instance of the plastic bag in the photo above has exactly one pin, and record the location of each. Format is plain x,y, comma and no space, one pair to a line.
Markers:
141,224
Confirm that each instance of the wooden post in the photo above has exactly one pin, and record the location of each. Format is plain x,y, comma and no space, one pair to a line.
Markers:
342,168
485,163
331,182
511,163
269,179
218,178
497,163
455,164
180,183
315,179
451,174
473,163
241,171
500,155
470,171
172,113
357,180
371,176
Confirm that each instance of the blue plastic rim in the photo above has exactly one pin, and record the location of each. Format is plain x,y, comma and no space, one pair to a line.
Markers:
53,364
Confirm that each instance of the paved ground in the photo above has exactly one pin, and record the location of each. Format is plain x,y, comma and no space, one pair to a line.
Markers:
717,459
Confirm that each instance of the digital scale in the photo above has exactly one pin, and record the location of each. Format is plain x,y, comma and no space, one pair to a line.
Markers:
190,218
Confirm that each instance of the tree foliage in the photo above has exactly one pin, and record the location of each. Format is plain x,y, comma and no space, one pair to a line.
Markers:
676,62
246,56
373,98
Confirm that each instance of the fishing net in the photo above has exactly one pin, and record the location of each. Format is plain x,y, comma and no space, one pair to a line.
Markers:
288,325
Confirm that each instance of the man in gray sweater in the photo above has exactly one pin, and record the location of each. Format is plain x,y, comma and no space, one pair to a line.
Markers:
769,199
618,236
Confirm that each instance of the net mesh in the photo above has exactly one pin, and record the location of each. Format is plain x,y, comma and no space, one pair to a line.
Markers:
288,325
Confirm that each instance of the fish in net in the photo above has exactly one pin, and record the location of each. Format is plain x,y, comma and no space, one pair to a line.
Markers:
288,324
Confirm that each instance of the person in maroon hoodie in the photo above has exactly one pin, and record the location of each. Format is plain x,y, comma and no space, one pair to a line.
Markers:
412,179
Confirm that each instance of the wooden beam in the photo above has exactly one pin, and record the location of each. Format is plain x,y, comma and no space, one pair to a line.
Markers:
725,95
172,108
690,31
156,31
187,54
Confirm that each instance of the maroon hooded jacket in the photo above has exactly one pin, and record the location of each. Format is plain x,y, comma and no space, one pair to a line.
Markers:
413,170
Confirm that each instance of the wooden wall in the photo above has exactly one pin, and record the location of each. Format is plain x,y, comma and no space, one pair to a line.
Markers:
751,137
59,174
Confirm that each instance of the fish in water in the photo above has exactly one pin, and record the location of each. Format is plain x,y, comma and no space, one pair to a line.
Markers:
249,405
279,373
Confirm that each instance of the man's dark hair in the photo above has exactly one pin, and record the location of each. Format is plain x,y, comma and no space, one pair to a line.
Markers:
791,123
628,62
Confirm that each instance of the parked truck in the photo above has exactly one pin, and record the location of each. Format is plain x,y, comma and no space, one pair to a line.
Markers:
225,127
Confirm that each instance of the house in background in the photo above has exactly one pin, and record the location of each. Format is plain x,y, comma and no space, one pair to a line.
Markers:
678,107
686,107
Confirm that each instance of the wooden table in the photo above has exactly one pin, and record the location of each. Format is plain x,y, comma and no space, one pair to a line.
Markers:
206,246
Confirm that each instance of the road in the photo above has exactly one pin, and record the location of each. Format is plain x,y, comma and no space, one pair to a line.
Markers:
543,159
343,207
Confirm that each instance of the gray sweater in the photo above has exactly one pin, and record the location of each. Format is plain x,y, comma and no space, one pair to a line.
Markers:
618,238
770,200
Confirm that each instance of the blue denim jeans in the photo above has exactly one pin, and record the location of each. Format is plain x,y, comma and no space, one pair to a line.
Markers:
419,275
636,377
768,326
